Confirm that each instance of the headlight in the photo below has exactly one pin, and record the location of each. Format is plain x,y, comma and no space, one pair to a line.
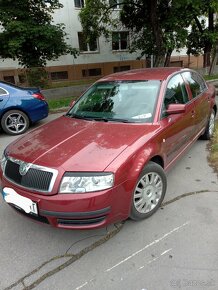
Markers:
86,182
3,161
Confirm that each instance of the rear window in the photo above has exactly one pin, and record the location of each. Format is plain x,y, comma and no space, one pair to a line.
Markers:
3,92
196,83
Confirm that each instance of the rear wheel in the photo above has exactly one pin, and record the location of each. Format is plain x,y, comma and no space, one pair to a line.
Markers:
149,192
15,122
208,134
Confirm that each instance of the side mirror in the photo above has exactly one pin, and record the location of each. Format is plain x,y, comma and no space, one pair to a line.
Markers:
175,109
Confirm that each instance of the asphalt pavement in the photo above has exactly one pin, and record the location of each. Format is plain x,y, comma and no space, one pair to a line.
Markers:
176,248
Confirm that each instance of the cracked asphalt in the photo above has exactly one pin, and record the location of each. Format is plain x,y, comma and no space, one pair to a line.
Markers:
176,248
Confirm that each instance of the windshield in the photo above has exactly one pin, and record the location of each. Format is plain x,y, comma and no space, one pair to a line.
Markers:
124,101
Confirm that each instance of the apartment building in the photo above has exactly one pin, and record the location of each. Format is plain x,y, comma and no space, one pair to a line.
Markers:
96,59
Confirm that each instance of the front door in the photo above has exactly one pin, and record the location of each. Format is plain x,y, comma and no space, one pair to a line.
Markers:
178,129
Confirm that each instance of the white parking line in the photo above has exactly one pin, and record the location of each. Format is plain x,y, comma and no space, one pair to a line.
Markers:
81,286
147,246
139,251
155,259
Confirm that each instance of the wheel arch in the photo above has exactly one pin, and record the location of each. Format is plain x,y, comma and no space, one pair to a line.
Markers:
14,108
138,161
158,159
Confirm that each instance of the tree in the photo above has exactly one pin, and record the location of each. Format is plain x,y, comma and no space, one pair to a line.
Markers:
28,34
203,36
214,59
156,27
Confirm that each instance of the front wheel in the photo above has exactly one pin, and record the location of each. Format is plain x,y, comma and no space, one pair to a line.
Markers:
15,122
149,191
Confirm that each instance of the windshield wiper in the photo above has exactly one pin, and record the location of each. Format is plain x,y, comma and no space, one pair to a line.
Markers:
112,120
100,119
79,117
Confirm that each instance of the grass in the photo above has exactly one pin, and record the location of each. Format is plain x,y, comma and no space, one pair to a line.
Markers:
213,148
213,77
59,104
62,84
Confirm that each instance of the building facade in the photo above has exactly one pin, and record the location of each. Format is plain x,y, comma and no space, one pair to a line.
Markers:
96,59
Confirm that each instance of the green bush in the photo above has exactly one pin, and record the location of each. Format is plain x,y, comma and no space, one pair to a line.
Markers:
37,77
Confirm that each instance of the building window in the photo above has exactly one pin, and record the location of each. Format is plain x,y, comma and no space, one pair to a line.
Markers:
59,75
120,40
121,68
87,47
177,63
92,72
115,4
9,79
79,3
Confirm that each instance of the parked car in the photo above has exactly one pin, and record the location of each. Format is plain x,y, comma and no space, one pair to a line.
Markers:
20,107
105,159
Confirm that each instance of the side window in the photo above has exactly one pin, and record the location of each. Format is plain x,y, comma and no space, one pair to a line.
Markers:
2,92
196,83
175,93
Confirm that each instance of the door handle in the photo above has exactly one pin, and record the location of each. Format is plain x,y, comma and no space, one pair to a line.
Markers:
1,100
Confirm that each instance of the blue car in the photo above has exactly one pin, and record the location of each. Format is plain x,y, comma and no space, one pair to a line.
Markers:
20,107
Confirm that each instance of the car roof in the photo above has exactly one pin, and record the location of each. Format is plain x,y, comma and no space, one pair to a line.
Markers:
6,84
158,73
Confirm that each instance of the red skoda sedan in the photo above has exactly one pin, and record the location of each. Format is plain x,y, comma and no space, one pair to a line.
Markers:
105,160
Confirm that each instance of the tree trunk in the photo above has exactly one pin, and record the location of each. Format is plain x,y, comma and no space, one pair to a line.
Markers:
168,57
157,32
214,61
159,60
207,54
208,44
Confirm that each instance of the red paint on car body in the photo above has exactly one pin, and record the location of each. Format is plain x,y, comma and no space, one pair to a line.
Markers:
70,144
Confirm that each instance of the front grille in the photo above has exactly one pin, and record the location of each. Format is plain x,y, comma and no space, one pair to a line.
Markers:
84,222
35,178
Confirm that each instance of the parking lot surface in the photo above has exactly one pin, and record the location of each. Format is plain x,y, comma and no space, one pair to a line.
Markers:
176,248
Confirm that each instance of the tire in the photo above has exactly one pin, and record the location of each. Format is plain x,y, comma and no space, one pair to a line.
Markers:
15,122
149,191
208,134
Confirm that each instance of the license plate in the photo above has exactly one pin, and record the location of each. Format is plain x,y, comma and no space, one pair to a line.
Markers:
12,197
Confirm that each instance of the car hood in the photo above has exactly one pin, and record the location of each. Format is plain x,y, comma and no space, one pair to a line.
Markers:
77,145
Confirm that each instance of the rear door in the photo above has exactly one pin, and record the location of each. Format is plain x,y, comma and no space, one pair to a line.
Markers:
4,96
201,97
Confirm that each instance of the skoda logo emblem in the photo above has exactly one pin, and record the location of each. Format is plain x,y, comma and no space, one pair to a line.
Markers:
23,168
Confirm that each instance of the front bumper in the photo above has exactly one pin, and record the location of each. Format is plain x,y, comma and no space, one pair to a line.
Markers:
77,211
